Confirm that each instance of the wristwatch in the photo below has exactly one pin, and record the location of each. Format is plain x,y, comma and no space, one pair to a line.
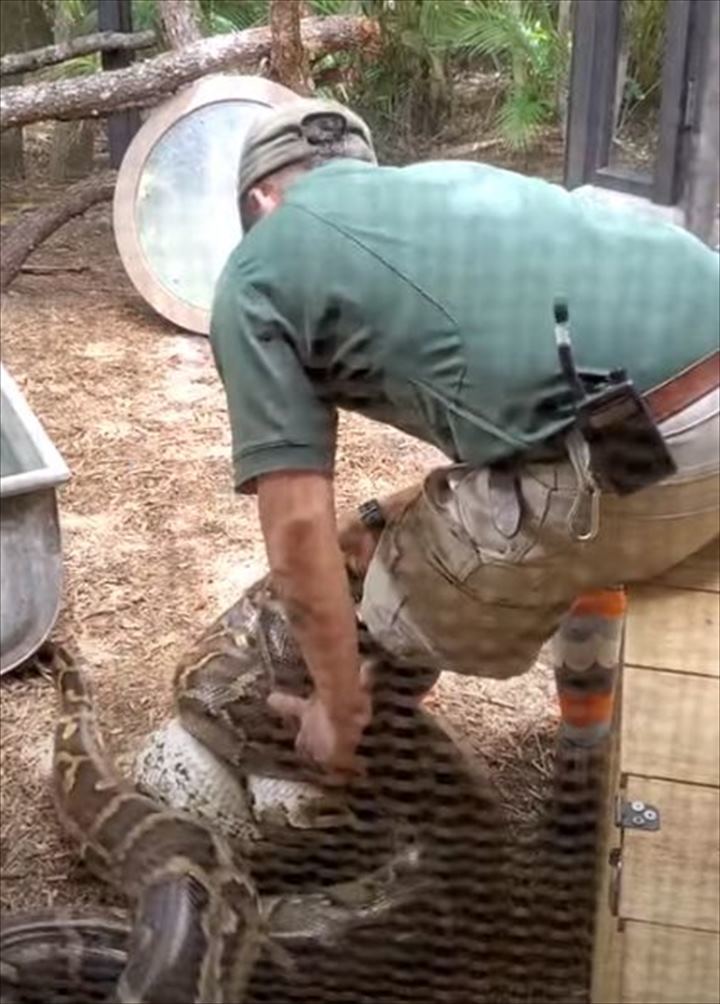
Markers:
372,515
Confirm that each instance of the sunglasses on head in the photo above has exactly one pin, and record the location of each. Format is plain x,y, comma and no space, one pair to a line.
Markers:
322,128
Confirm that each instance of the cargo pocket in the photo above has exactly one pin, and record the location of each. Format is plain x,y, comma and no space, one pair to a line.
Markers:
445,544
503,513
403,577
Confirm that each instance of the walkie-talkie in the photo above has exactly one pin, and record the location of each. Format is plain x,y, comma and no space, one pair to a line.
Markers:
627,452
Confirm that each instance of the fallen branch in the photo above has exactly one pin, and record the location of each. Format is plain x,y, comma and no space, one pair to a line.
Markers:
469,149
49,55
152,79
52,269
21,238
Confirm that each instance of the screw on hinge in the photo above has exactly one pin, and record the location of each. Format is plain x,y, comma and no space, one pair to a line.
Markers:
636,815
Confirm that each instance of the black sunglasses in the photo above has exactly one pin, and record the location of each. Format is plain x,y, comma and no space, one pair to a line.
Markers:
321,128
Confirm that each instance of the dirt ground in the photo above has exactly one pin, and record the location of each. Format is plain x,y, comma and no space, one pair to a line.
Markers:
156,544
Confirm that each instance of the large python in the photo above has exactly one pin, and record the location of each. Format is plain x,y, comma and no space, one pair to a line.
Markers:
216,899
199,925
170,864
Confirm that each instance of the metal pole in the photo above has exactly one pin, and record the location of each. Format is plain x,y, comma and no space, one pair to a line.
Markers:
595,45
116,15
704,175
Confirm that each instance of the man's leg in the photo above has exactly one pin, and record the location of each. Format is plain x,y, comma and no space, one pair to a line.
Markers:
421,605
455,583
474,572
586,659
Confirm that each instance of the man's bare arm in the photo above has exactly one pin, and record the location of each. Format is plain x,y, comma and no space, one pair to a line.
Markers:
308,570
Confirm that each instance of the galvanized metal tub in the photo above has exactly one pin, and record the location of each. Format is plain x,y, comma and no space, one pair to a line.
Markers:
31,468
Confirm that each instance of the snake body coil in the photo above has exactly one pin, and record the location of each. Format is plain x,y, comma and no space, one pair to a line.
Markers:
173,866
198,927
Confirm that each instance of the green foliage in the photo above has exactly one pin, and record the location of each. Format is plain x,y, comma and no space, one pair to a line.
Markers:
644,35
70,19
521,117
223,16
144,13
74,17
327,8
523,41
80,66
406,91
80,15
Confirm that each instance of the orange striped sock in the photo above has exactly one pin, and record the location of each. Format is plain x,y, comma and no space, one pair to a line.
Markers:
587,650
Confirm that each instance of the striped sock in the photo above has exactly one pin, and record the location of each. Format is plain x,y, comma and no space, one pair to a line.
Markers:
587,649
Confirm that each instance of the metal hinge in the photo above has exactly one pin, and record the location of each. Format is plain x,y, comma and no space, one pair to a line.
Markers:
636,815
629,815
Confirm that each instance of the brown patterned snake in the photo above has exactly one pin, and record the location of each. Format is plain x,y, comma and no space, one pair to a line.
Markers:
199,926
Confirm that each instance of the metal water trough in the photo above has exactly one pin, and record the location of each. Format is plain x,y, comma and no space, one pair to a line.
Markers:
30,551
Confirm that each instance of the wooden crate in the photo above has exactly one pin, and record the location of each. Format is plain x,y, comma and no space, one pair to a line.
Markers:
658,917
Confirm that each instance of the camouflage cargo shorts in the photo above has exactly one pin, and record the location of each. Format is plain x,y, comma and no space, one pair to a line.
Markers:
479,570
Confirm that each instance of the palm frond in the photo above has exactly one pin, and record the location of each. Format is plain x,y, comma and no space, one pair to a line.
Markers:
144,14
492,29
644,30
79,66
223,16
438,20
520,119
73,17
72,12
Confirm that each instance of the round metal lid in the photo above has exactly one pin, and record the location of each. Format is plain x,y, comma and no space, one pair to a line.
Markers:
175,212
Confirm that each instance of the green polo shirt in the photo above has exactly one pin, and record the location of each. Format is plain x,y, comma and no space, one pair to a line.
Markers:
423,297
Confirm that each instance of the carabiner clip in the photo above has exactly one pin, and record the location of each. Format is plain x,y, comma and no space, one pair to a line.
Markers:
579,453
593,520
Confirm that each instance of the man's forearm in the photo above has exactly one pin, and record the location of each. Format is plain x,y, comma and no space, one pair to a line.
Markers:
309,575
316,596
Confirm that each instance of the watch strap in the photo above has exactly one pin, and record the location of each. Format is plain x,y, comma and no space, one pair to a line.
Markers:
372,515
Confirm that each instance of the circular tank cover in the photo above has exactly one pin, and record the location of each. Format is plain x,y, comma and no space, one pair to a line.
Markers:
175,210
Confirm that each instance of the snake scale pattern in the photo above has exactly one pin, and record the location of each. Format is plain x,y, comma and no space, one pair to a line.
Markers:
213,913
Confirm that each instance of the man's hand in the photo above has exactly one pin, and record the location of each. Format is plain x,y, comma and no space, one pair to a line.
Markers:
297,516
327,737
309,574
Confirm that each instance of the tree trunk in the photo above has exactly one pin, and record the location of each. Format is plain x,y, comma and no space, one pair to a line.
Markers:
704,182
564,17
72,151
12,155
149,81
563,82
288,60
12,36
49,55
22,237
519,69
23,24
73,143
180,21
620,82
